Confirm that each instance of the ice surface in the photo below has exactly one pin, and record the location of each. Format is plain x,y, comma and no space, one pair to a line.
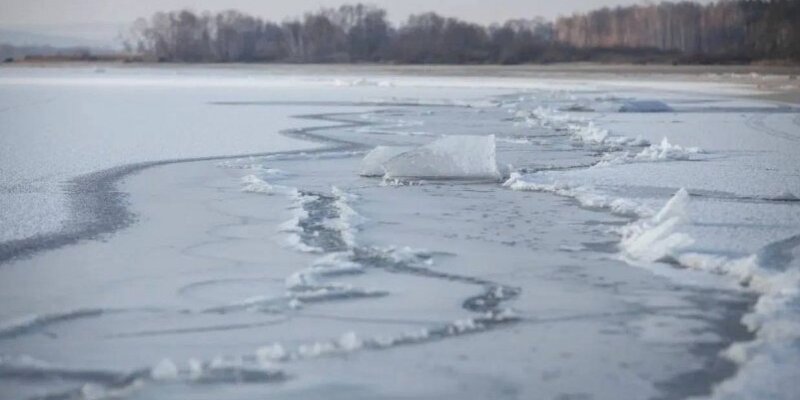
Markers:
775,319
179,113
645,106
711,231
451,157
204,277
104,132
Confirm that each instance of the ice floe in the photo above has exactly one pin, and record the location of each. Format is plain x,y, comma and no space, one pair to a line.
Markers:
451,157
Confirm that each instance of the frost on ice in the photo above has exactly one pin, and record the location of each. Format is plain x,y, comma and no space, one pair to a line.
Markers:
451,157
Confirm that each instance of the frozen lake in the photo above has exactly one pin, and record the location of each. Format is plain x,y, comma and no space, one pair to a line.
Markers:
230,233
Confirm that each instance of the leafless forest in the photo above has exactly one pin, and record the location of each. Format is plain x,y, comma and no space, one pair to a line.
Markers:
725,31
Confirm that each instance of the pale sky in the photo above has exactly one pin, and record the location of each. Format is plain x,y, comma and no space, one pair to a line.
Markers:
100,23
70,12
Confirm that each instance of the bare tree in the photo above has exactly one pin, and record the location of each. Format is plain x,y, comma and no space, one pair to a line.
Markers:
728,29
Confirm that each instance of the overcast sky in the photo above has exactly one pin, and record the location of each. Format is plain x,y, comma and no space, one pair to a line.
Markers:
76,12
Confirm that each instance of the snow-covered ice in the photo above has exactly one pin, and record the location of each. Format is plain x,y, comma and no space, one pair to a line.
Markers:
361,240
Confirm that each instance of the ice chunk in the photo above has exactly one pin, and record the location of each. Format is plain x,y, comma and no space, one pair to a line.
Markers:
372,164
589,133
254,184
666,151
585,195
195,368
452,157
273,352
655,238
316,349
350,342
165,370
645,106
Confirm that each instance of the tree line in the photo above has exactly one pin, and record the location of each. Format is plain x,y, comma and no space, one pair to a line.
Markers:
740,29
746,29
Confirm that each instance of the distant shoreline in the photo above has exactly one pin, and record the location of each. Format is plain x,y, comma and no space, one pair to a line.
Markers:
445,69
